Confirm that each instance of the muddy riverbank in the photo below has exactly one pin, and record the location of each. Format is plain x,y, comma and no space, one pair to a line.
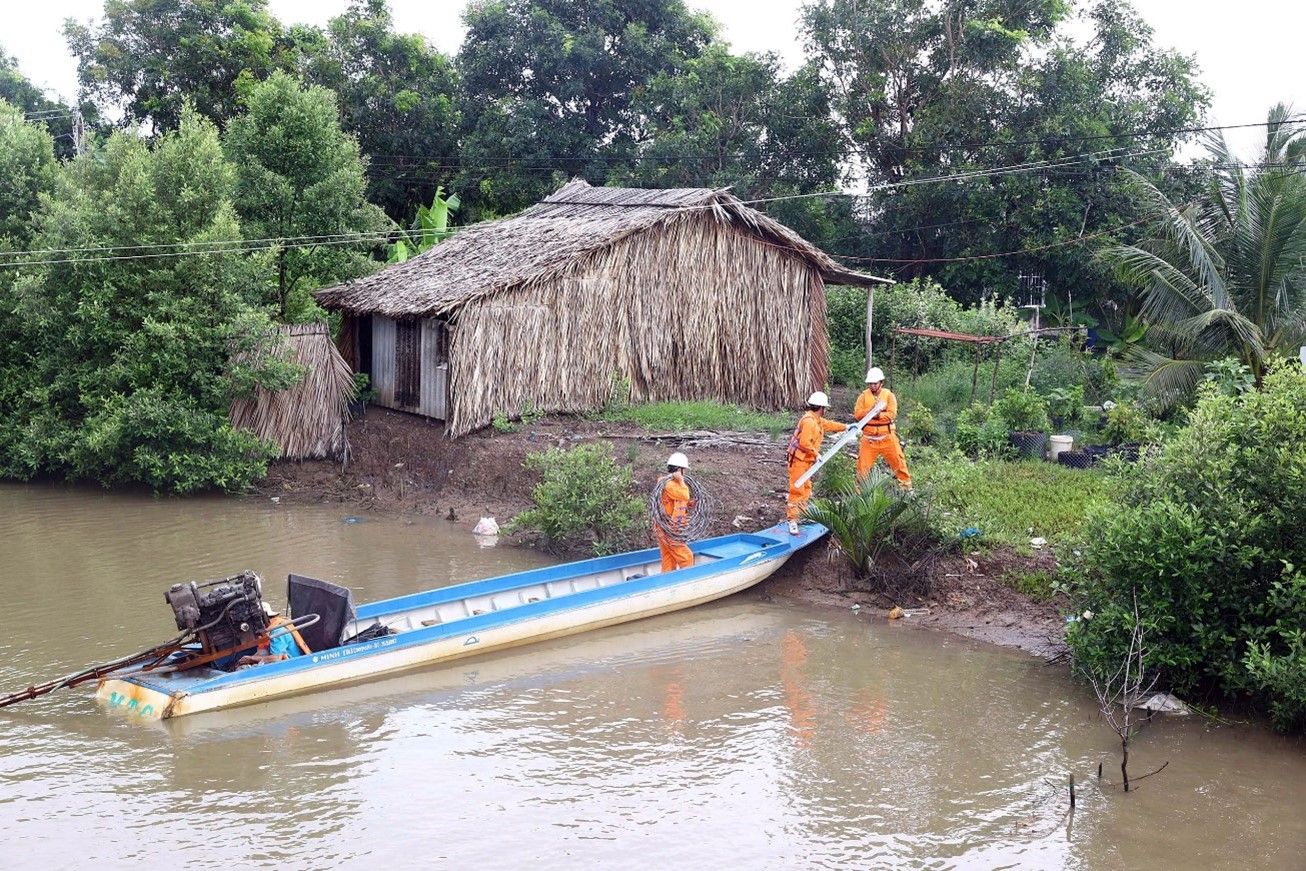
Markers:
403,464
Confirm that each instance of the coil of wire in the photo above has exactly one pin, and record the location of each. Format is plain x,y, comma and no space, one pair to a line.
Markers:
698,518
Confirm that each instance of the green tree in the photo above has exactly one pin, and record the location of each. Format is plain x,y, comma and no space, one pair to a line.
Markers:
547,88
1223,276
398,96
727,120
27,169
301,176
925,90
116,367
148,58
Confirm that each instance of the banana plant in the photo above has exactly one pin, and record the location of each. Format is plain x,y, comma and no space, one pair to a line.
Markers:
430,228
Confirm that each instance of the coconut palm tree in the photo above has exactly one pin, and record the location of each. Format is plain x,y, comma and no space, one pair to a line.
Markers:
1223,276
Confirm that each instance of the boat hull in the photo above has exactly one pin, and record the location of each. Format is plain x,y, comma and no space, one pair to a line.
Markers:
150,696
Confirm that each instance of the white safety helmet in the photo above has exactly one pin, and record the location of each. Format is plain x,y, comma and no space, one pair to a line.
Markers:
678,459
819,398
874,375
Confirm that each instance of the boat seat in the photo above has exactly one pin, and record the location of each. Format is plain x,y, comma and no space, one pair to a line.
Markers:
728,549
333,604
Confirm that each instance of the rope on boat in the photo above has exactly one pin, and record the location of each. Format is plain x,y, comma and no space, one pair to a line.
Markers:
698,519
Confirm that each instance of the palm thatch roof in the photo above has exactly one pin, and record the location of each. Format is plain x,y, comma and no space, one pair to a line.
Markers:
306,421
551,238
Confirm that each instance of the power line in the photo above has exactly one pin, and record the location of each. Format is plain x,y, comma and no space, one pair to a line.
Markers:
153,245
509,158
104,259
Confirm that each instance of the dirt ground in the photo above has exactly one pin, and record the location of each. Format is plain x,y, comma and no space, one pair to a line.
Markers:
403,463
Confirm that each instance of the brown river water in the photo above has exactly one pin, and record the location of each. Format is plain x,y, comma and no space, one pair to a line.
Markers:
744,733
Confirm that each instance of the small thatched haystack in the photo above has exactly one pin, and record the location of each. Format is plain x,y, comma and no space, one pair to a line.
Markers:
681,294
306,421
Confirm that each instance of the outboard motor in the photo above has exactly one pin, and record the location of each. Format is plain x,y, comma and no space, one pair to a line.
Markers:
226,614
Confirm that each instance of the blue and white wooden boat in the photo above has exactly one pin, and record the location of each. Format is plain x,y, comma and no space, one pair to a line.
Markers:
466,619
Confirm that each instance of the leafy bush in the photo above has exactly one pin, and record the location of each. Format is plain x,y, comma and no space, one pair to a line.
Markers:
919,426
1281,675
867,518
847,366
982,432
584,498
1023,410
1206,532
1230,376
920,303
1128,424
1066,405
837,476
1065,363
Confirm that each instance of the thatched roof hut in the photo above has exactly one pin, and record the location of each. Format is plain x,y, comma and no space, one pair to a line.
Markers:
682,294
306,421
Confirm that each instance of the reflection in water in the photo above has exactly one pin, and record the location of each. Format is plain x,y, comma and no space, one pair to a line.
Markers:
735,734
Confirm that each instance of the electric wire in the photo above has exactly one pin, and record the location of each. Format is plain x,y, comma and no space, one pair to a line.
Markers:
698,517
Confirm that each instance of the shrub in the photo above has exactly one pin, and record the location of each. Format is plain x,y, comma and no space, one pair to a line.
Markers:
584,497
847,366
1066,405
1281,676
919,426
1023,410
837,476
1128,424
919,303
1064,364
866,519
982,433
1230,376
1206,532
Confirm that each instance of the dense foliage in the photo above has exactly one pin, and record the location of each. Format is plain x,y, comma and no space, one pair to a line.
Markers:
117,370
1209,535
1224,275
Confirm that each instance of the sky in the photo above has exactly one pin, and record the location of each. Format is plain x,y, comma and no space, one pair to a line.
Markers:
1250,60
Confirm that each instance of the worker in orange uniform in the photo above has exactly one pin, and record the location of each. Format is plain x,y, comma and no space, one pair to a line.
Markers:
879,436
676,502
804,448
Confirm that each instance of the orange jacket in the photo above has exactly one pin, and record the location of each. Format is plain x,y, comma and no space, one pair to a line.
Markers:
879,424
805,443
675,499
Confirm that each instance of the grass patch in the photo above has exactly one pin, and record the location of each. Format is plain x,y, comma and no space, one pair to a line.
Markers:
1036,584
680,416
1010,502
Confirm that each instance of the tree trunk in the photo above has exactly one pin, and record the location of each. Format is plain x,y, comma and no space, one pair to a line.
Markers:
281,282
1124,762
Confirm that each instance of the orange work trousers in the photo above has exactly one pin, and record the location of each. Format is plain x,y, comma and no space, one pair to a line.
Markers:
798,496
675,554
888,447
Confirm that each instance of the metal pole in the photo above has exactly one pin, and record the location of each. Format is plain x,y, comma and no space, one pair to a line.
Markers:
997,363
870,319
974,375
